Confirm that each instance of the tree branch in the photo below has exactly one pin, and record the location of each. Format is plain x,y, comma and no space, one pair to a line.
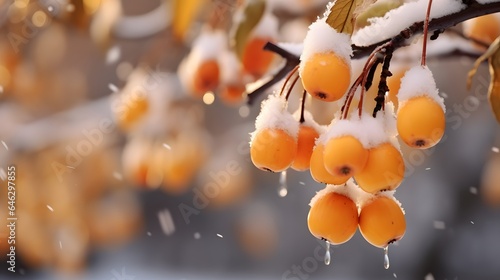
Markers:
473,10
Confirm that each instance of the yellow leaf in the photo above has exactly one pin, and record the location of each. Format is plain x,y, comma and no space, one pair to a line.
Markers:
494,90
493,56
185,12
252,14
489,53
103,22
341,15
377,9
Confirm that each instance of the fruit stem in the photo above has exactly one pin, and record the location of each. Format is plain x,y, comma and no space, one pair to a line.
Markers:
361,81
288,79
426,32
291,87
348,98
302,107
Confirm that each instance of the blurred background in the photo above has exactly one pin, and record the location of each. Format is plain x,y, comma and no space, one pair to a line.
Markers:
125,172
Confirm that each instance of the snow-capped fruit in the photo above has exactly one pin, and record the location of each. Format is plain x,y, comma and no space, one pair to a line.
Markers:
384,169
333,217
421,122
326,76
133,108
318,170
305,145
344,156
273,149
382,221
136,160
256,60
182,161
206,77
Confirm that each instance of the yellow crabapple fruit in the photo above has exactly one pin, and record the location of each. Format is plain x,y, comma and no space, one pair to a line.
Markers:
256,60
326,76
305,145
382,221
421,122
318,170
273,149
384,169
345,156
333,217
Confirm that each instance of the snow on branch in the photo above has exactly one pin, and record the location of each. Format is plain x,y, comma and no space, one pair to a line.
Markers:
472,10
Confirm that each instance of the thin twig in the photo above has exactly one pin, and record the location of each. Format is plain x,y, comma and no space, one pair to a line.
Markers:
303,106
291,62
426,33
288,79
291,87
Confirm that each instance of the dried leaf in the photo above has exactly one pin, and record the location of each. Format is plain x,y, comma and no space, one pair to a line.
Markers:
185,12
493,56
252,14
104,21
494,90
341,15
378,9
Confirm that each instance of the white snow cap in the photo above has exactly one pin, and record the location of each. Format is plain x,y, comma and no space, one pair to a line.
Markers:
322,38
349,189
369,198
209,45
400,18
370,131
419,81
309,121
274,114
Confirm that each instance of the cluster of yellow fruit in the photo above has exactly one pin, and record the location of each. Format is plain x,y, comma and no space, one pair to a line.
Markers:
73,211
152,163
212,66
280,140
357,156
337,211
169,155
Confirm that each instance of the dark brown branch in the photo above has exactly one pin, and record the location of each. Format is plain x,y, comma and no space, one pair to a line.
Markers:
473,10
371,74
291,62
382,86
